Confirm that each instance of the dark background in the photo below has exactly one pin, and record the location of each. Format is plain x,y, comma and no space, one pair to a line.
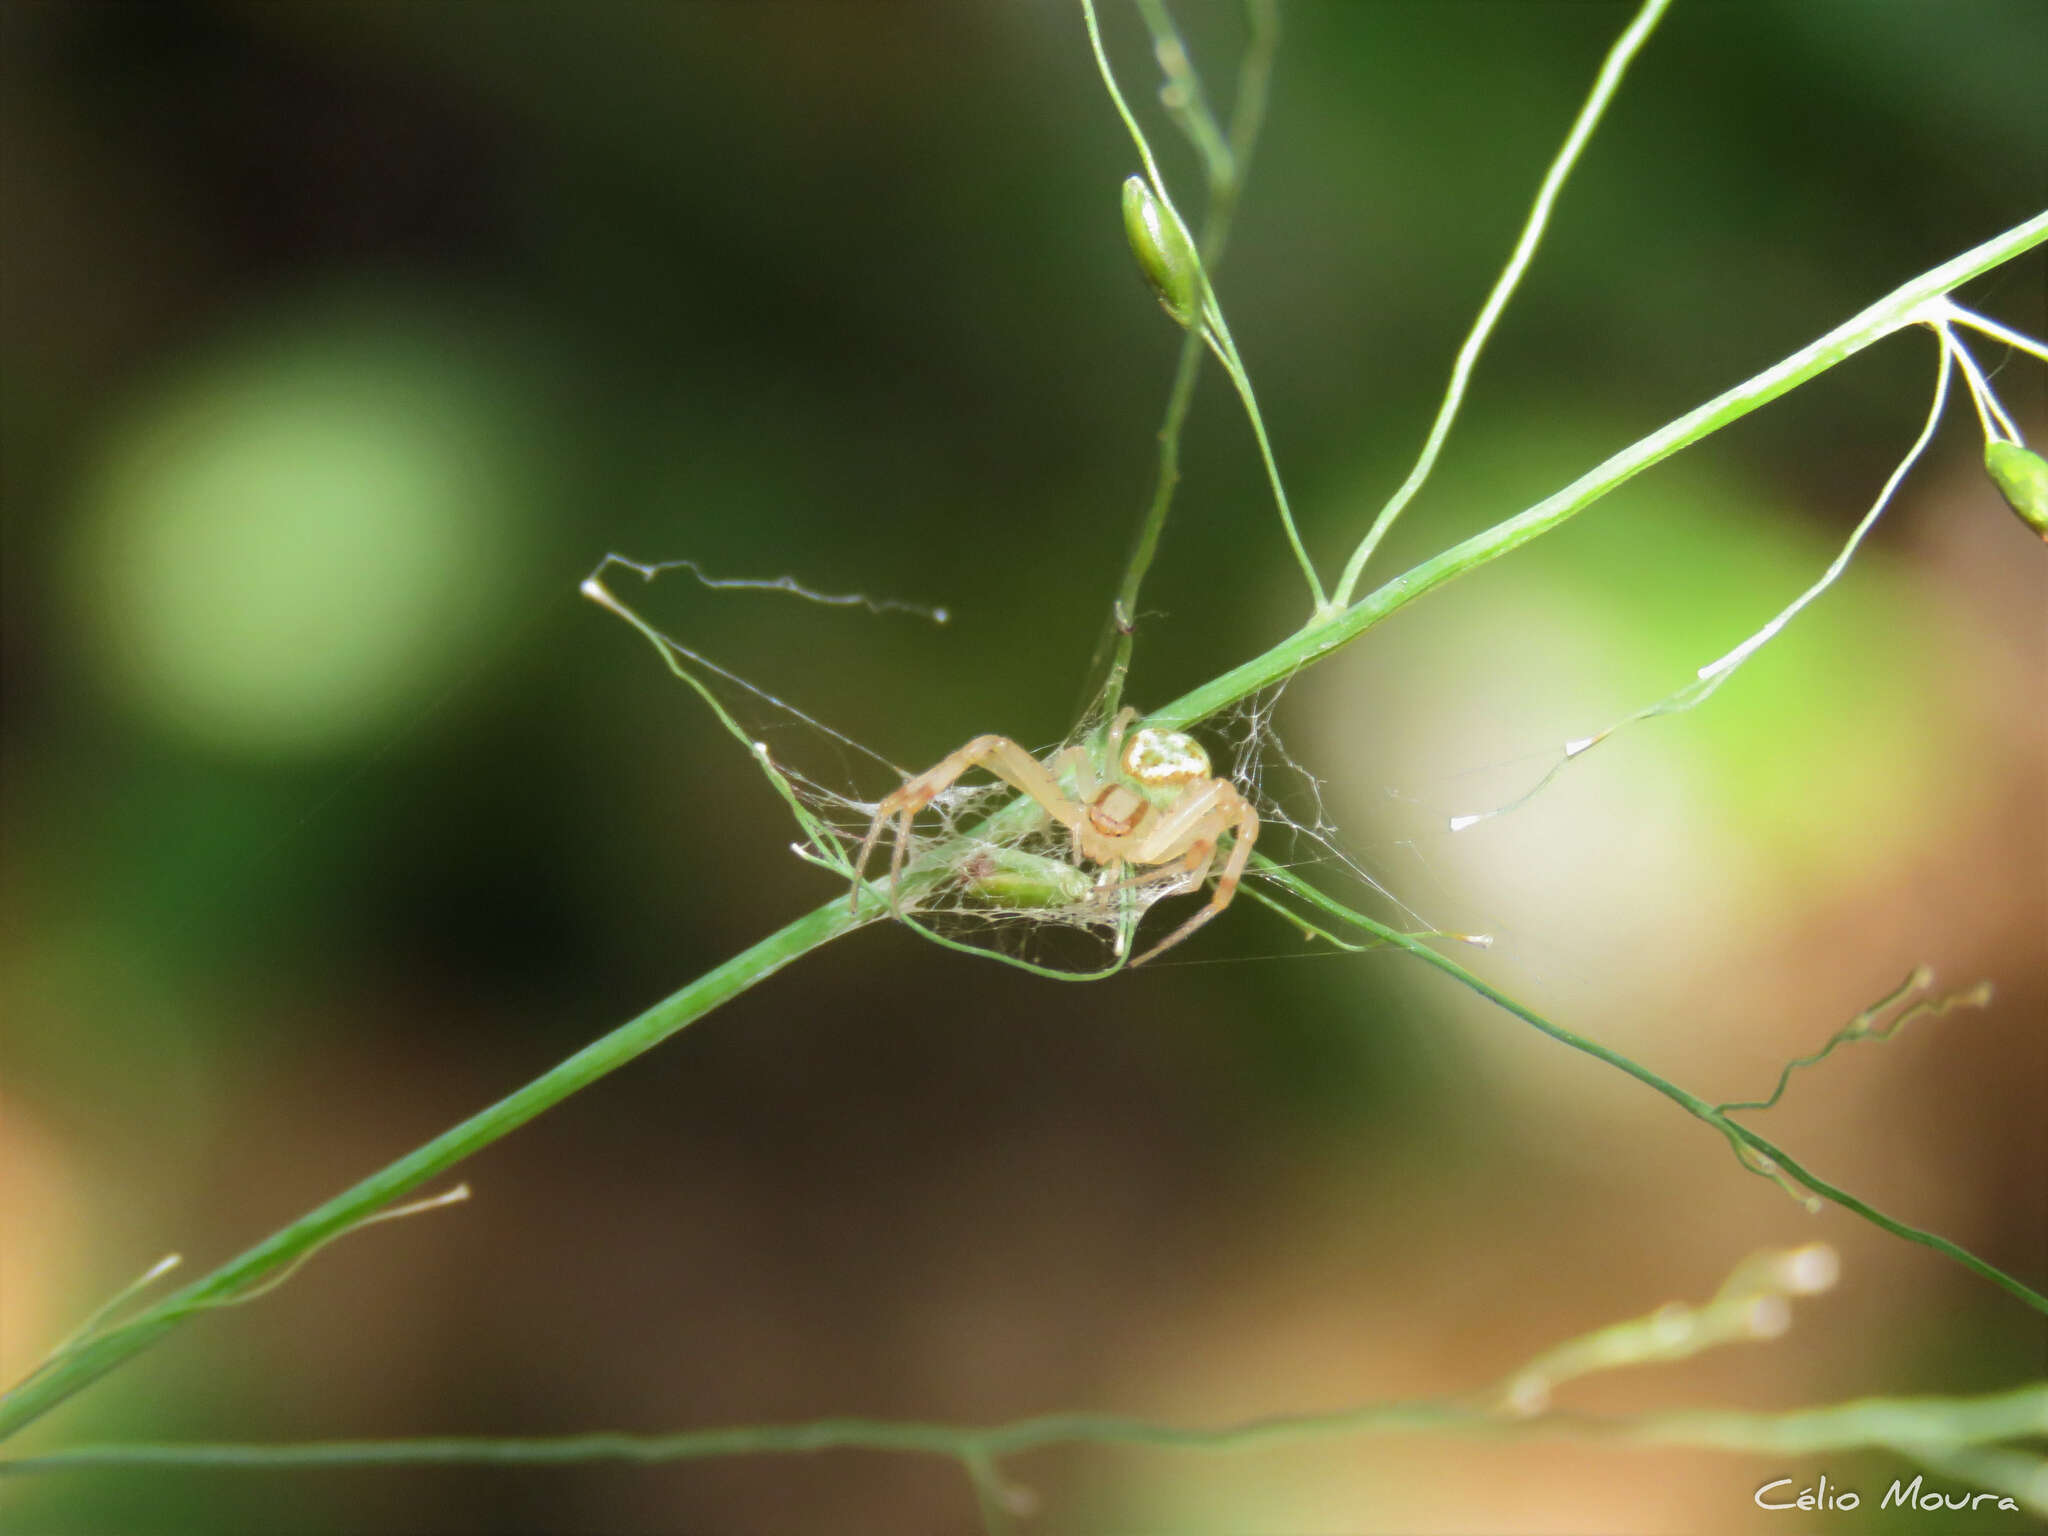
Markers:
342,340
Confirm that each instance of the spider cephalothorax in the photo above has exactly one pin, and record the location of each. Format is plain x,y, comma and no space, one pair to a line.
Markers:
1148,803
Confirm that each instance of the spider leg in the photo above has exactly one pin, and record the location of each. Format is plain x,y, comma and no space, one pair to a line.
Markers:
898,847
1072,763
1183,873
1113,743
1246,822
998,755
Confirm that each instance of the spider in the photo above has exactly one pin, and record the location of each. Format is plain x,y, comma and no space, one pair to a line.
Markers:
1160,810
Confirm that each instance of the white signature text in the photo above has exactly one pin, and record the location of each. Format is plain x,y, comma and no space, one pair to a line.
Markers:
1901,1495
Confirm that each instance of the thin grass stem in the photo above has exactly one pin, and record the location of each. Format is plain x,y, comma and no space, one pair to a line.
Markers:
1623,53
1209,319
1226,184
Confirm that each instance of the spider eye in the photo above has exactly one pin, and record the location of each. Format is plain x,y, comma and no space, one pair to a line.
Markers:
1155,757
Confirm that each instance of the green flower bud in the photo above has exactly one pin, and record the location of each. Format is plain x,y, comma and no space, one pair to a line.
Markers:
2022,475
1165,253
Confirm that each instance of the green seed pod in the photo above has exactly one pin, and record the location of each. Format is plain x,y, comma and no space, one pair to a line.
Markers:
2022,475
1165,253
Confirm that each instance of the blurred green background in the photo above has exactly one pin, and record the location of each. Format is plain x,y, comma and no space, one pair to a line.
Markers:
342,340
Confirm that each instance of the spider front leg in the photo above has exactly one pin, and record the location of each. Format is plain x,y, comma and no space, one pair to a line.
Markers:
1245,824
998,755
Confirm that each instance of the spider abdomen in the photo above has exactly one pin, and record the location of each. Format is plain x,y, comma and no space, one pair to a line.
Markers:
1160,759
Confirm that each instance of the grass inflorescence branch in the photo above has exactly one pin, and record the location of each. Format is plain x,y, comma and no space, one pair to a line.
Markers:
1752,1304
1754,1152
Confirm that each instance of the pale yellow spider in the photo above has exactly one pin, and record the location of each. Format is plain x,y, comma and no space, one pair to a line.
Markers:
1160,810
